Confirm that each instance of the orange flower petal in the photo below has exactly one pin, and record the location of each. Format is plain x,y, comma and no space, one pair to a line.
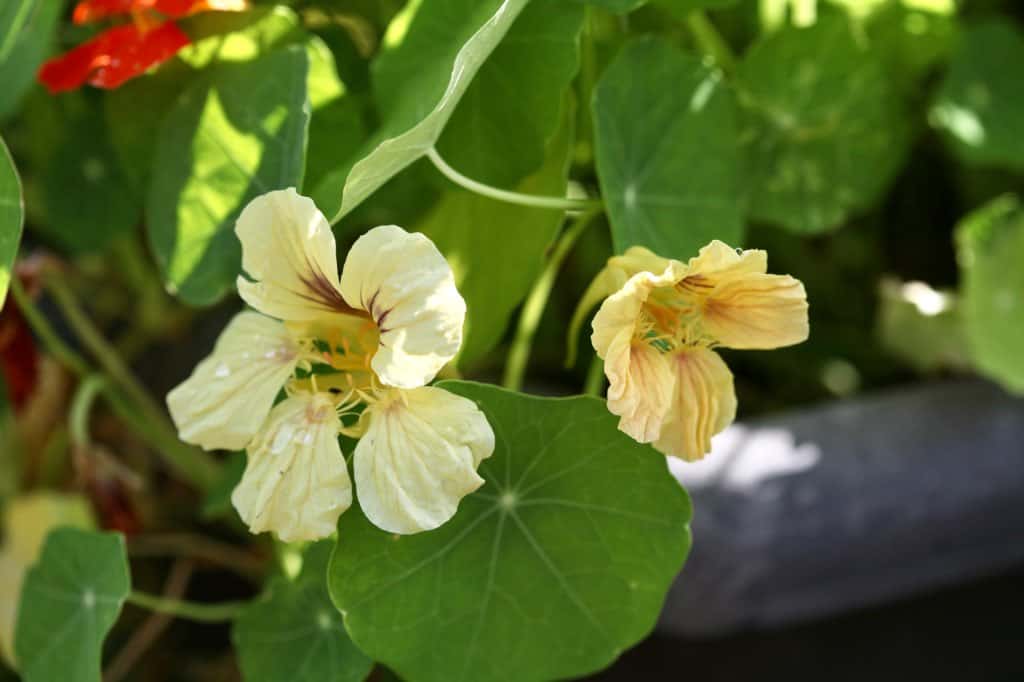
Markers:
94,10
176,9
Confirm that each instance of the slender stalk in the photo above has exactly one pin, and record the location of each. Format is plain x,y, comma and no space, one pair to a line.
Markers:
194,464
594,384
201,548
711,41
81,405
555,203
203,613
41,326
537,300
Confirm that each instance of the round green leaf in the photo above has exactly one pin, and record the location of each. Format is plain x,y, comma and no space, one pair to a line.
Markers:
824,132
667,160
429,60
29,47
236,133
980,105
294,634
12,216
990,249
550,570
69,601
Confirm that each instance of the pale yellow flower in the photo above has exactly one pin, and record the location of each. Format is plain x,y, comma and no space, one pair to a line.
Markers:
353,353
28,519
658,325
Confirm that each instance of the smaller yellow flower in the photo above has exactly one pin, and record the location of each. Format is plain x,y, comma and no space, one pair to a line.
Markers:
658,325
353,354
27,521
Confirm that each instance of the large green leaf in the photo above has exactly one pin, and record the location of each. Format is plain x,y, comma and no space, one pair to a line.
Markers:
430,58
238,132
497,249
12,216
69,602
990,249
14,15
922,326
500,129
825,134
552,569
30,47
294,634
617,6
980,105
665,142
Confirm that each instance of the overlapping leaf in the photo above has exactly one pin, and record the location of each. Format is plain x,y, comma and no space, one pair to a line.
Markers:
294,634
665,140
69,601
238,132
824,132
990,244
553,568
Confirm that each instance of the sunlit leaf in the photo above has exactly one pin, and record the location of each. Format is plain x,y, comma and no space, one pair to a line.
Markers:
69,602
980,105
30,47
294,634
497,249
824,132
238,132
500,129
239,36
922,326
665,139
437,53
617,6
554,567
12,216
990,249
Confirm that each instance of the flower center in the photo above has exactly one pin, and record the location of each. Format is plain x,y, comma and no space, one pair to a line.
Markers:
670,318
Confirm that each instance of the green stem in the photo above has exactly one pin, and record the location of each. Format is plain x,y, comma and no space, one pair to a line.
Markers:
594,385
533,308
203,613
81,406
192,463
555,203
711,41
41,326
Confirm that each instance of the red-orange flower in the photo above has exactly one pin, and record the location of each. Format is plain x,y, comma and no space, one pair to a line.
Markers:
124,52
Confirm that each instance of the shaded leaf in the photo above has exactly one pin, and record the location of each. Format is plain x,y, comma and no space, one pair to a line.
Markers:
236,133
12,217
824,134
30,47
14,15
990,248
294,634
922,326
70,600
550,570
665,142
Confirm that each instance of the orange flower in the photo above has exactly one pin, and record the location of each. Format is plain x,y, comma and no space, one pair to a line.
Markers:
124,52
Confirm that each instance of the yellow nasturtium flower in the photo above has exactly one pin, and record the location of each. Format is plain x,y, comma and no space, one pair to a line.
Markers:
28,519
657,326
353,354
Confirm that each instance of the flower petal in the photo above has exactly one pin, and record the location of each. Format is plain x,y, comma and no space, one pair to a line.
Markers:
296,482
703,404
229,394
719,260
641,392
418,458
94,10
177,9
757,311
113,57
288,249
406,285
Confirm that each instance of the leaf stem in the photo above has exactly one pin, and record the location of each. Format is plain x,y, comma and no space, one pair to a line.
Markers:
594,383
41,326
555,203
711,41
203,613
81,406
537,300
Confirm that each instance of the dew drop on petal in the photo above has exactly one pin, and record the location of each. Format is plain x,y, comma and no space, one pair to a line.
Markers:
222,371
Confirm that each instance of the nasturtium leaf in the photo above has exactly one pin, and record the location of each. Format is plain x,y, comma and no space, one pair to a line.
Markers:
824,131
617,6
980,105
550,570
667,160
12,216
14,15
990,249
239,36
294,634
509,113
30,47
236,133
921,326
69,602
681,8
430,56
495,267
